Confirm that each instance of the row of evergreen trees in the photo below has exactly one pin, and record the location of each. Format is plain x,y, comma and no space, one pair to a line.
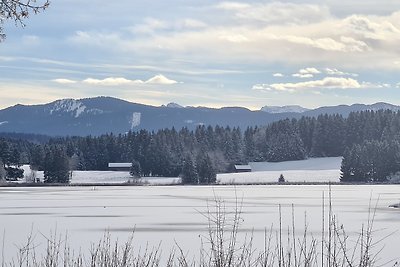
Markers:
192,154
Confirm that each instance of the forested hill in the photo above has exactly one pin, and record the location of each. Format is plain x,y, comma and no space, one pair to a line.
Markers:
101,115
369,141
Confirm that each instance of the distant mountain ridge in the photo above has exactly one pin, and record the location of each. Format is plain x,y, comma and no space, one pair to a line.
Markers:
99,115
284,109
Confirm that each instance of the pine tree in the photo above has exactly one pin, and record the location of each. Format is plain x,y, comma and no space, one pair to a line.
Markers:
189,172
135,170
56,167
283,142
205,169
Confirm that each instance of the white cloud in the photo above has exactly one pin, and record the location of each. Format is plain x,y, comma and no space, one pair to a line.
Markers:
339,44
240,35
334,71
261,87
370,85
377,28
267,44
306,75
278,74
276,12
64,81
160,79
116,81
309,71
326,83
111,81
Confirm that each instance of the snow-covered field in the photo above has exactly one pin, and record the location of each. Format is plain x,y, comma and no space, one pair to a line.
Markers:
312,170
107,177
174,213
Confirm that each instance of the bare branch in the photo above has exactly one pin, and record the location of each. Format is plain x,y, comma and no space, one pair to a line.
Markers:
19,10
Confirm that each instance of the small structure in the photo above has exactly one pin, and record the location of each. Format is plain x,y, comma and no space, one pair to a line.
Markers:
242,168
120,166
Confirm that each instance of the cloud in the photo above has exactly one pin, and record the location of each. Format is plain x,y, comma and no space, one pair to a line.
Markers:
278,74
370,85
117,81
309,71
334,71
306,73
64,81
111,81
326,83
160,79
261,87
299,75
377,29
276,12
293,34
152,25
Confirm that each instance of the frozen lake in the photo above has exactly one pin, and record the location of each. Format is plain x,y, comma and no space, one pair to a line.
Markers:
172,214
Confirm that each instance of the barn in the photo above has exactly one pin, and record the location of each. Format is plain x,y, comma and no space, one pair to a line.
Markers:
119,166
242,168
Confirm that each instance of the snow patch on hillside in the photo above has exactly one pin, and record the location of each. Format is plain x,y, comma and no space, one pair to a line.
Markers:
94,111
69,105
135,120
284,109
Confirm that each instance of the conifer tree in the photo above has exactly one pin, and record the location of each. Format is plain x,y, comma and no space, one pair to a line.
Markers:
189,172
205,169
135,170
56,166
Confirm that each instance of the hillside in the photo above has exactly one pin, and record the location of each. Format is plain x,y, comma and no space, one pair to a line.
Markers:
100,115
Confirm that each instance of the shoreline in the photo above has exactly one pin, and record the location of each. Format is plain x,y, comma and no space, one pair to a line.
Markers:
167,185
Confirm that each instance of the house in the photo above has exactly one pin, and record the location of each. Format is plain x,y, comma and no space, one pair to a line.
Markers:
242,168
121,166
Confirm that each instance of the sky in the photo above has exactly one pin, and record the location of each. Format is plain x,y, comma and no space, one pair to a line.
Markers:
206,53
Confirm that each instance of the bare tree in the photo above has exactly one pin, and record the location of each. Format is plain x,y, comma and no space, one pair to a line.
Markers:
19,10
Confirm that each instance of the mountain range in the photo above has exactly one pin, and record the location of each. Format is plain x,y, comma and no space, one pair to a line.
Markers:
99,115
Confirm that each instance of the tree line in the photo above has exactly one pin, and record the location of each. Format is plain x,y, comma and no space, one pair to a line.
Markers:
367,140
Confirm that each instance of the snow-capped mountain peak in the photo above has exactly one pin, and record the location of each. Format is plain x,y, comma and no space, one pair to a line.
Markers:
284,109
173,105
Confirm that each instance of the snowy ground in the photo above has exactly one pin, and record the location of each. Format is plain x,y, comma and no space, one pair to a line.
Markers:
107,177
175,214
312,170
